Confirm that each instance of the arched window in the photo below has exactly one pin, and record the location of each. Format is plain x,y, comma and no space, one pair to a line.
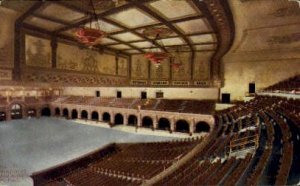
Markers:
2,116
95,116
31,113
163,124
147,122
132,120
106,117
182,126
57,112
202,127
66,113
119,120
74,114
84,114
16,111
46,112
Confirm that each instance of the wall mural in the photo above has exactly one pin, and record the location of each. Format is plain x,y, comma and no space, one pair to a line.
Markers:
139,67
38,52
184,71
87,61
122,66
162,71
6,37
202,65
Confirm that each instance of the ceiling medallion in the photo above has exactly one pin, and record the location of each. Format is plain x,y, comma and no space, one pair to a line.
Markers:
157,33
88,35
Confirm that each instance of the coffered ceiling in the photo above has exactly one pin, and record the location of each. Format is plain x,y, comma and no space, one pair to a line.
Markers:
125,20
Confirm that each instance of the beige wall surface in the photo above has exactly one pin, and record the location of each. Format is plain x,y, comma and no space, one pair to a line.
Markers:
7,22
133,92
266,47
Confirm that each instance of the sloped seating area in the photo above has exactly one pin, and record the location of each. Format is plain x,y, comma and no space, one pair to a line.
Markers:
119,164
169,105
291,85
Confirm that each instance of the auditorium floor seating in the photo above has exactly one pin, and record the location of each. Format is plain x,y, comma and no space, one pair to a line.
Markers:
253,143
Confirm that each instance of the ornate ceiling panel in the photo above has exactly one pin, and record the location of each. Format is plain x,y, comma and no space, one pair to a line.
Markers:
127,36
142,44
193,26
174,9
60,12
206,47
132,18
172,41
204,38
119,46
43,23
106,41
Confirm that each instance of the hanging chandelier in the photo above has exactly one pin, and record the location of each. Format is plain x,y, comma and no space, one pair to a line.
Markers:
88,35
155,55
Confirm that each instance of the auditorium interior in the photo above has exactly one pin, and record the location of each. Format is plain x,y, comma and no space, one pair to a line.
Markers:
149,92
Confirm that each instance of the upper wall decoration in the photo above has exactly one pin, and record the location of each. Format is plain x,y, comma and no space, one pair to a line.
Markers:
184,71
202,65
122,66
38,52
89,61
139,67
6,37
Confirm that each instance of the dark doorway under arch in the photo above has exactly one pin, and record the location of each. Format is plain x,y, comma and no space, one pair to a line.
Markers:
46,112
57,112
31,113
119,119
202,127
16,111
147,122
95,116
106,117
84,114
164,124
66,113
74,114
182,126
132,120
2,116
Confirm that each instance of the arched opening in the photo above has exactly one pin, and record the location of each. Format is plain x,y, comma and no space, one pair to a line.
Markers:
66,113
132,120
16,111
31,113
95,116
182,126
84,114
2,116
74,114
106,117
46,112
147,122
119,120
57,112
202,127
163,124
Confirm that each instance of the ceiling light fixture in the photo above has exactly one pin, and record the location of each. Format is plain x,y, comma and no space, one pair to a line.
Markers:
88,35
155,55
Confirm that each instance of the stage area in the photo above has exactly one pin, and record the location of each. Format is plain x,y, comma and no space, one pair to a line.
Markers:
31,145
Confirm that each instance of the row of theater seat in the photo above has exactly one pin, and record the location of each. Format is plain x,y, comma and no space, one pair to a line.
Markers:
185,106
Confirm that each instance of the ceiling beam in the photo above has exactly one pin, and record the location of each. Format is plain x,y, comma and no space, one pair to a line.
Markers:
165,22
122,42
